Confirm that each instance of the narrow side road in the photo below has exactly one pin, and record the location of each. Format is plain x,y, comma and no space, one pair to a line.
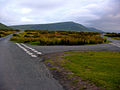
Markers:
20,71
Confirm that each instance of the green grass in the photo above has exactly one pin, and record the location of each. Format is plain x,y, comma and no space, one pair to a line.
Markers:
101,68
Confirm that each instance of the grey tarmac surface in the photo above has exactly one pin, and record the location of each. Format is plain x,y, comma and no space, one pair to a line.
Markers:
20,71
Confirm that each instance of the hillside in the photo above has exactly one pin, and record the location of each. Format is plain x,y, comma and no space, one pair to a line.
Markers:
95,30
3,27
62,26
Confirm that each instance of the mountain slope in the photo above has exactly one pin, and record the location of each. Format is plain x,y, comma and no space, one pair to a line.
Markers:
3,27
62,26
95,30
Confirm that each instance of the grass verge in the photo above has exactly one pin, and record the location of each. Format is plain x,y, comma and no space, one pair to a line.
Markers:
86,70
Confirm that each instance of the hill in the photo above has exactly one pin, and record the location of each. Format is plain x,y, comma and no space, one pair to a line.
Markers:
95,30
62,26
3,27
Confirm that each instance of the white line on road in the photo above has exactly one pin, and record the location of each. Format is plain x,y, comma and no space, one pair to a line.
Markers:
28,52
115,44
31,49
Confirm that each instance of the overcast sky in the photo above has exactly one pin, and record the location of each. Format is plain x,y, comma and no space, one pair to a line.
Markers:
101,14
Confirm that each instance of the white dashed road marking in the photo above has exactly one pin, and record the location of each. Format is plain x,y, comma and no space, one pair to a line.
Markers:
31,49
115,44
28,52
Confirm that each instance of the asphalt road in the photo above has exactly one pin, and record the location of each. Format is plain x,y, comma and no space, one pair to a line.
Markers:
21,67
20,71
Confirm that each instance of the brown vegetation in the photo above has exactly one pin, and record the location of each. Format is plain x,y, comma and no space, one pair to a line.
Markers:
58,37
7,32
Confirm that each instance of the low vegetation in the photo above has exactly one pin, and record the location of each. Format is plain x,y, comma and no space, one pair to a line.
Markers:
58,37
4,33
86,70
113,35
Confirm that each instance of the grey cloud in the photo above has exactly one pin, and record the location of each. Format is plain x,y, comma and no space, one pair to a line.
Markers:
94,13
42,5
110,21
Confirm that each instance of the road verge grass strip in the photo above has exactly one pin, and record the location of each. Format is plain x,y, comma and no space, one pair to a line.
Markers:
93,70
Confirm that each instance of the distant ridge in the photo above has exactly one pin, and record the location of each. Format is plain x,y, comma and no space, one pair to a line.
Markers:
95,30
4,27
61,26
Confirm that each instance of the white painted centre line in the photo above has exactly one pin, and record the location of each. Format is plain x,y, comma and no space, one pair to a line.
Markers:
28,52
115,44
31,49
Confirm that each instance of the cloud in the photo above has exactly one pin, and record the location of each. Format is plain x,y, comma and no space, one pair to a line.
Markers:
26,19
102,14
110,20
